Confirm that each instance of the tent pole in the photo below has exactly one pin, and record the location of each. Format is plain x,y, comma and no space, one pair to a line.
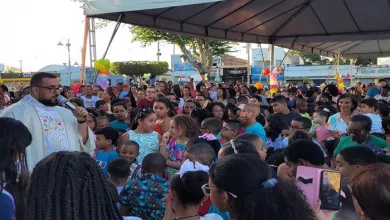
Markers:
248,80
118,23
84,51
272,63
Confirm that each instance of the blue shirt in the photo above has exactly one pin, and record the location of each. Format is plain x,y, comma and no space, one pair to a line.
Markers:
7,207
256,129
119,125
224,215
123,94
104,158
372,92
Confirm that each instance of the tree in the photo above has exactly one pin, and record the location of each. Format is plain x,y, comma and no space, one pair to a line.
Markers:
10,69
197,50
139,68
365,62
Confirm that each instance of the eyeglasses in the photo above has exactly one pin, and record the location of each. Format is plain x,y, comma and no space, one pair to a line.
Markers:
206,190
150,91
50,88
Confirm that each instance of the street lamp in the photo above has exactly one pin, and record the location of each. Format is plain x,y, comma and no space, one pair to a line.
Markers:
69,71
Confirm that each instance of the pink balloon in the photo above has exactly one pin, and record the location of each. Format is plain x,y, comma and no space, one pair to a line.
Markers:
103,83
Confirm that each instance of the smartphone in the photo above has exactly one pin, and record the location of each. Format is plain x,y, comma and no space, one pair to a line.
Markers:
330,190
308,180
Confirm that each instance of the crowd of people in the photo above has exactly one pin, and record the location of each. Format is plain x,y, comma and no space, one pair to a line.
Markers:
206,151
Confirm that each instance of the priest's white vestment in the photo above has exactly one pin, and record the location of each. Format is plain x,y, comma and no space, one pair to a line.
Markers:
52,128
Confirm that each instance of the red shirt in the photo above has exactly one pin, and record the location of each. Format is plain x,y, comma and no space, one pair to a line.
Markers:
144,103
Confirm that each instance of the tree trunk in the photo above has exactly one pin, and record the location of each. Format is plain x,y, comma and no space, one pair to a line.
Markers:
202,63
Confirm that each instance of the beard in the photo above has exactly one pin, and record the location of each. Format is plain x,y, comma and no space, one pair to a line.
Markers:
49,102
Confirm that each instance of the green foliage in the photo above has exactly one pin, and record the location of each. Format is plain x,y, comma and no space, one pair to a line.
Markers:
365,62
198,51
11,69
138,68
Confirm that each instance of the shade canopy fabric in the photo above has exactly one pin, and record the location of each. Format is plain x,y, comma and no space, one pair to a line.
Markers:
352,28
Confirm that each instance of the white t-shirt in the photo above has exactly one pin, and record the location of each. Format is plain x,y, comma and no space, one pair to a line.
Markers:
380,97
376,123
89,103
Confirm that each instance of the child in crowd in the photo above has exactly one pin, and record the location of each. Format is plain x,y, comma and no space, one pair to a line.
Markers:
211,126
230,130
106,138
241,101
369,108
118,173
102,107
102,122
348,161
274,128
301,108
143,133
321,132
280,106
255,141
163,109
183,128
202,153
386,127
144,197
120,111
130,151
249,114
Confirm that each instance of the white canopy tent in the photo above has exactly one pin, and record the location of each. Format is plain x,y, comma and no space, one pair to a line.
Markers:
352,28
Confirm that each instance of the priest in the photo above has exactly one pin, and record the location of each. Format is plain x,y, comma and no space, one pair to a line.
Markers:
53,128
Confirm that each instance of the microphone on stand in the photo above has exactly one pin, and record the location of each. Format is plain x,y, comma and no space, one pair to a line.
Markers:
64,102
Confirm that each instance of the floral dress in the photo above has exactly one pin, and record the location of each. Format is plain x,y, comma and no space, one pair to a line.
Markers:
176,154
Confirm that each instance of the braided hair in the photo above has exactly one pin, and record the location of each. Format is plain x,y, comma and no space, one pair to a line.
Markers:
14,139
141,115
69,185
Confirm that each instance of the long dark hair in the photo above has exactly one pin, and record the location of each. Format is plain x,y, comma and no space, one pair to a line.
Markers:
141,115
14,139
244,176
69,185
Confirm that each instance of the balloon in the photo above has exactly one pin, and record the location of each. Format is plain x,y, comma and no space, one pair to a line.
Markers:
273,81
277,70
265,72
102,64
102,76
104,72
337,76
76,88
259,85
273,91
103,83
322,85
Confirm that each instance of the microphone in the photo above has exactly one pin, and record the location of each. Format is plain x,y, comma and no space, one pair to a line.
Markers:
64,102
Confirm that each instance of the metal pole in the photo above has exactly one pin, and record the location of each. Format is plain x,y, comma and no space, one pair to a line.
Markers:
174,49
158,51
21,66
70,72
248,80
